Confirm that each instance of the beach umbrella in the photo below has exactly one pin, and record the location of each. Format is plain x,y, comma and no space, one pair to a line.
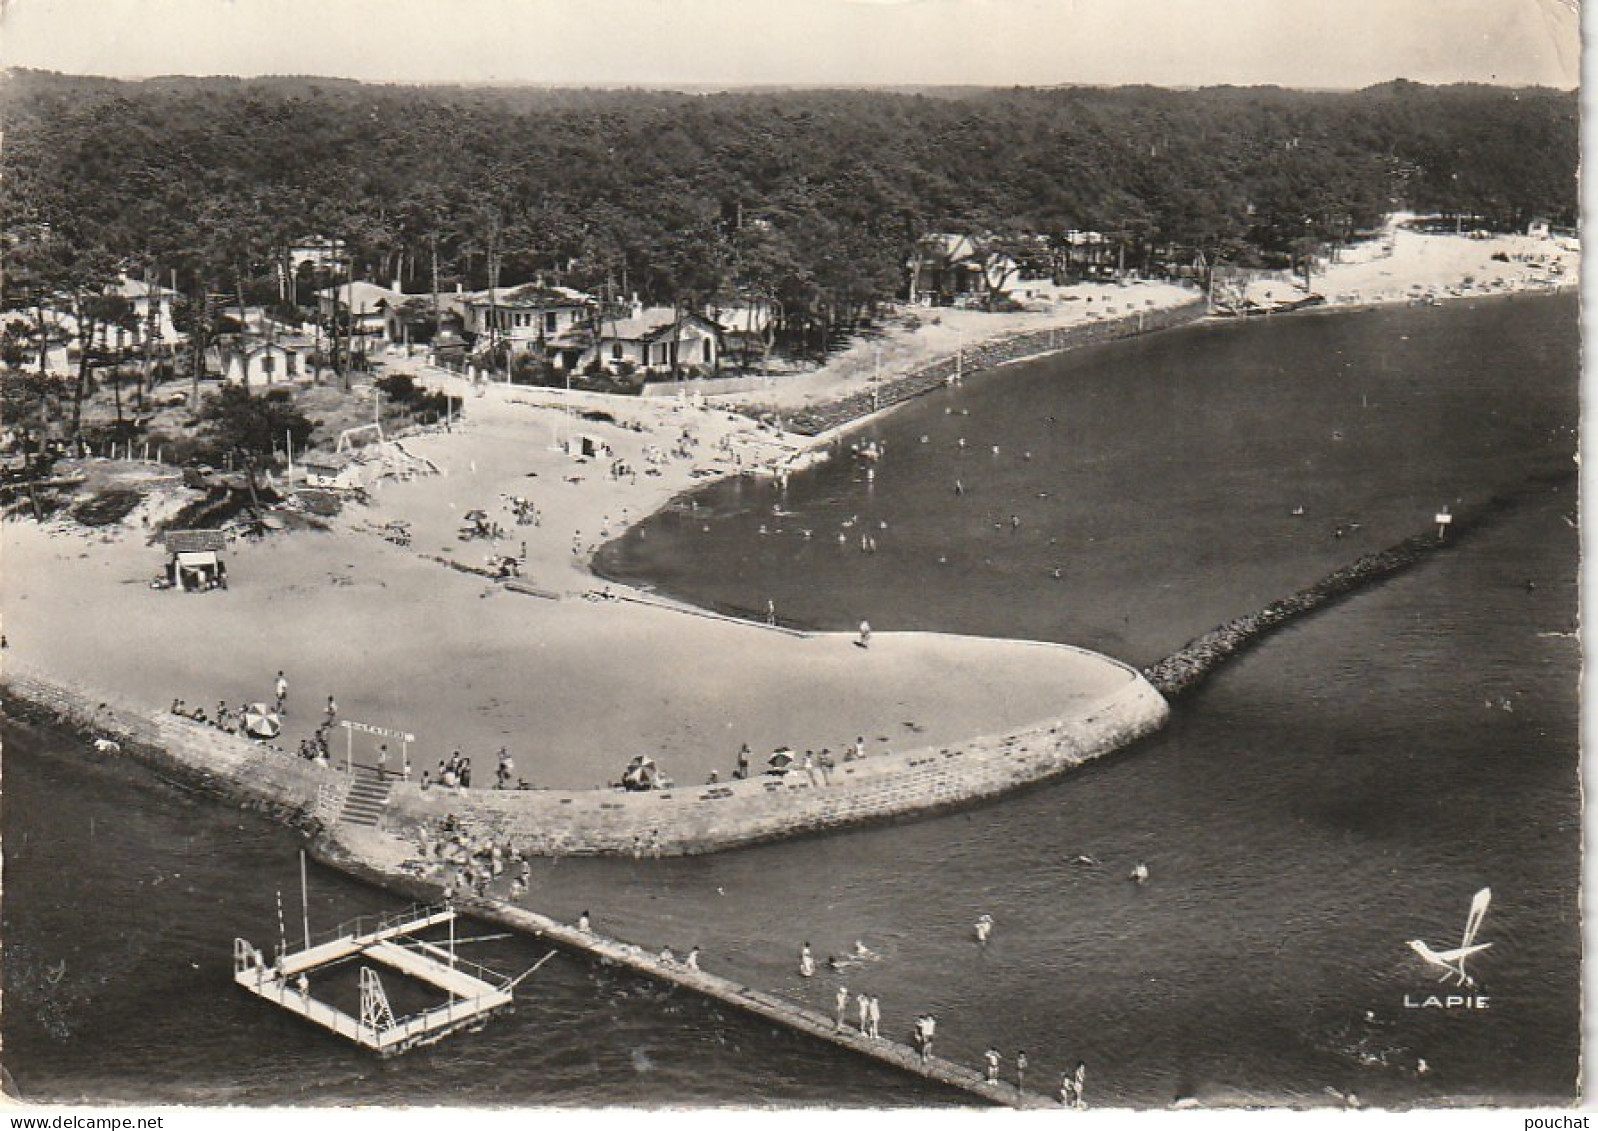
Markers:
474,515
261,722
781,761
641,773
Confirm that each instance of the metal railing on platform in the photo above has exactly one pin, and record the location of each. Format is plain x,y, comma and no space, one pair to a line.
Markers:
371,924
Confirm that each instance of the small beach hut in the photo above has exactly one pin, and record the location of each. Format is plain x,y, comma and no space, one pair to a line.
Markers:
195,561
330,470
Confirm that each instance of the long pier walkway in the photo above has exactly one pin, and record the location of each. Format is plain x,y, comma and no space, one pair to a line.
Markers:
772,1008
344,855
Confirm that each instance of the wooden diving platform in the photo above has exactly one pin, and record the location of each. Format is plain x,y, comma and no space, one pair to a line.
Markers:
472,994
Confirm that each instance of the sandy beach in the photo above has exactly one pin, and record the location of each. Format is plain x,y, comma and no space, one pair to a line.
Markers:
574,686
577,682
1406,265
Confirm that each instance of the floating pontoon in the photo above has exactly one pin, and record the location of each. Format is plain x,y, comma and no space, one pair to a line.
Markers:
472,993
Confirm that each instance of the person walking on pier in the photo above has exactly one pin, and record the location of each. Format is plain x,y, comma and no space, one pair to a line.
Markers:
1020,1071
863,1008
843,1006
332,710
742,771
692,961
865,634
807,962
582,923
874,1018
993,1058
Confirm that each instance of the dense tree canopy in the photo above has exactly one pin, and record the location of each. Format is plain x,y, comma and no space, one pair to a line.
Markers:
810,198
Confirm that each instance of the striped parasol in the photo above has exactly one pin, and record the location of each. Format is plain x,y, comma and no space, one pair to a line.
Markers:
260,721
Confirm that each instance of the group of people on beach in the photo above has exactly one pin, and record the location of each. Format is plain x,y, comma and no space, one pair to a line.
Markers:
260,724
455,773
224,719
816,766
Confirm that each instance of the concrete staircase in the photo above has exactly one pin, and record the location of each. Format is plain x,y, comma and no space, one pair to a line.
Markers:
364,803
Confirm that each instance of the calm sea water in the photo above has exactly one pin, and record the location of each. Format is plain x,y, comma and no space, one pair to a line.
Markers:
1341,789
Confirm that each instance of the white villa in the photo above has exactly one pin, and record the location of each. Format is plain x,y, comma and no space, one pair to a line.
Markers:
656,339
264,365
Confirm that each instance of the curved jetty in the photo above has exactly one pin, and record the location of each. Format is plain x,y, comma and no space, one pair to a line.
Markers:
1111,705
1102,705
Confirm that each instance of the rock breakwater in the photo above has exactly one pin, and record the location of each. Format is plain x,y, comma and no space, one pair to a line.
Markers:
1187,667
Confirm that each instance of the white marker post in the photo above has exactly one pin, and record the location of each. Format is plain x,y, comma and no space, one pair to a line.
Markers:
1444,521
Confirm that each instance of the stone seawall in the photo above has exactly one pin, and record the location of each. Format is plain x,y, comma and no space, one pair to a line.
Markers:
813,420
686,820
689,820
196,756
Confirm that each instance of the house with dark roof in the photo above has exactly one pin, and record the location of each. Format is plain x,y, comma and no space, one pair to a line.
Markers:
655,339
942,267
946,267
423,318
194,559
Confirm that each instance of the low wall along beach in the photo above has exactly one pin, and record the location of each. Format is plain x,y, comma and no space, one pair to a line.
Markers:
987,354
686,820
